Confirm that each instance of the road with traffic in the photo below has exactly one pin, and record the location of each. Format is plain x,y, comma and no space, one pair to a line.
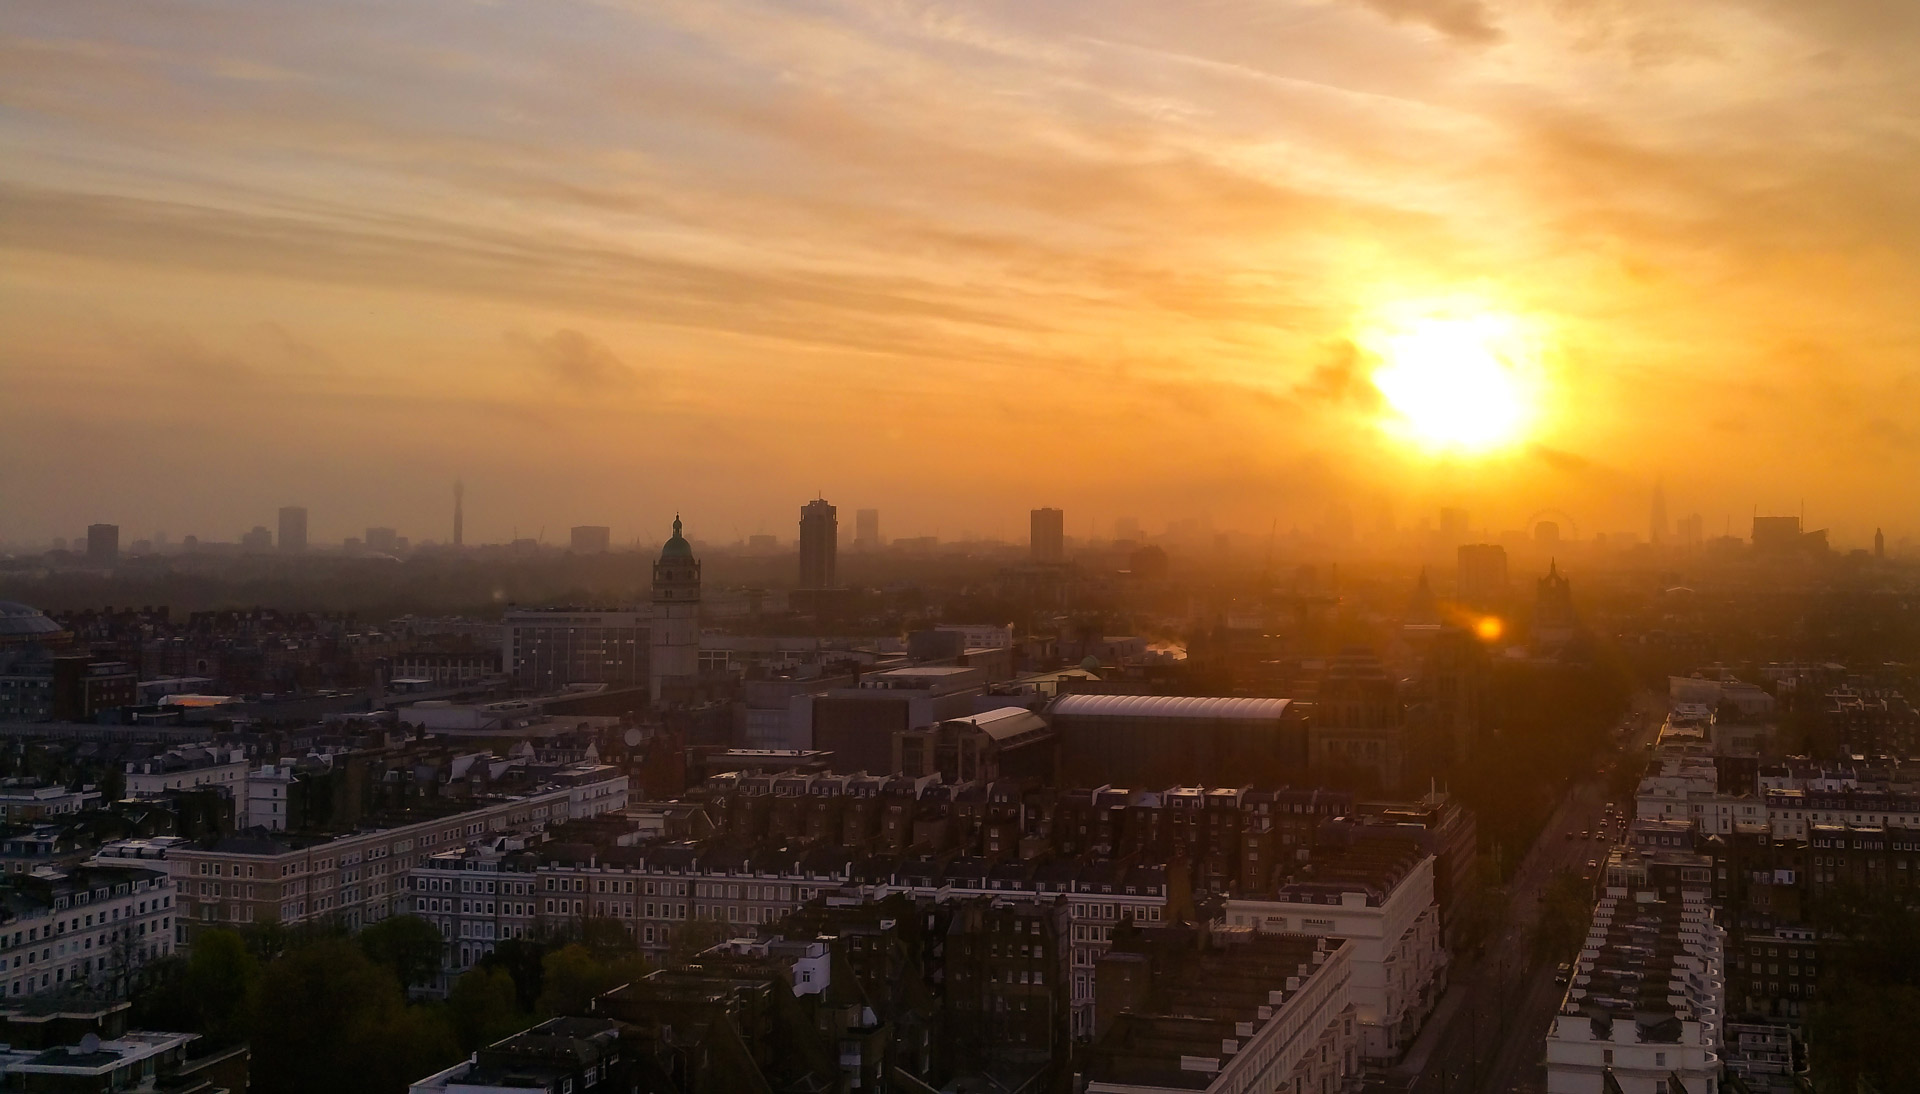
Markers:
1492,1038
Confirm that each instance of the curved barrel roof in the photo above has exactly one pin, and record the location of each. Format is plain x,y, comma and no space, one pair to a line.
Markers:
1171,706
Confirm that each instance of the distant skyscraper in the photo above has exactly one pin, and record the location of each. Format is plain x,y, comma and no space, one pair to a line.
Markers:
1657,522
595,539
1690,529
103,544
293,529
1048,535
819,544
384,540
1879,543
673,637
866,530
1482,580
459,516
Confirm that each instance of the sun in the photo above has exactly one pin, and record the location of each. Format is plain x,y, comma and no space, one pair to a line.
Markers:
1453,381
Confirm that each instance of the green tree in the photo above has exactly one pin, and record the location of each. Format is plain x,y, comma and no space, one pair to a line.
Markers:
483,1007
571,976
325,1018
221,973
407,946
693,936
520,958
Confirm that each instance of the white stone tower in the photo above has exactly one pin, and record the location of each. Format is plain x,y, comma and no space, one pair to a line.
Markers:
674,634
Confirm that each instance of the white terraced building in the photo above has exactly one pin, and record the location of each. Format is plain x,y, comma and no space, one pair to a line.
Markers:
1647,1001
1393,923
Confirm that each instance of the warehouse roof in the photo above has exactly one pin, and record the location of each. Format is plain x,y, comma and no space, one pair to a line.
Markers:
1171,706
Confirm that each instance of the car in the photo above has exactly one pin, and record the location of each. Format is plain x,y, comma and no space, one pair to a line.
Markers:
1563,974
1586,833
1569,835
1592,865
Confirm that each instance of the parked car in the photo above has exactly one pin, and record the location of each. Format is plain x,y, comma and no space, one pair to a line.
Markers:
1563,974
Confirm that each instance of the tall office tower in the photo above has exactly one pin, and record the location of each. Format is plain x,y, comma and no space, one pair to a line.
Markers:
103,544
1453,526
673,641
1482,581
1657,522
819,543
1879,543
293,529
459,516
597,539
866,530
1048,535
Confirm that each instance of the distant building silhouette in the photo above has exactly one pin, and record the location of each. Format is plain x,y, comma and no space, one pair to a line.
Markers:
819,544
257,542
293,529
1879,543
1782,536
103,544
1482,578
866,530
673,649
384,540
1657,519
1048,535
459,516
1553,619
593,539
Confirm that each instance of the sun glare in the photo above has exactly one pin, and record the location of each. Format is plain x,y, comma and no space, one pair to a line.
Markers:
1454,382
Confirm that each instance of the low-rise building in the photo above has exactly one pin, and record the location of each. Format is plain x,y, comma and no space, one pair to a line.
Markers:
186,768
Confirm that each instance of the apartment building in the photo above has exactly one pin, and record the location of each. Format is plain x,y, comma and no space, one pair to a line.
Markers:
85,928
188,768
362,877
478,896
1380,897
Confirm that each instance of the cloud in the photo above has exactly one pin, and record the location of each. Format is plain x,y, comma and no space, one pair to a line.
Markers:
1466,21
1341,379
575,361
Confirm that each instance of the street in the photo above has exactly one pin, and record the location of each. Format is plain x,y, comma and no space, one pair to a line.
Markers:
1491,1039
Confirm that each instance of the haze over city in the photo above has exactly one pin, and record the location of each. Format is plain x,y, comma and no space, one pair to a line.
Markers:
960,547
608,260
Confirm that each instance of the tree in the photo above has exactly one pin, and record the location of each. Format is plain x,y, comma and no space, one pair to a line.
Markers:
520,958
483,1007
1564,916
325,1018
407,946
571,976
693,936
221,974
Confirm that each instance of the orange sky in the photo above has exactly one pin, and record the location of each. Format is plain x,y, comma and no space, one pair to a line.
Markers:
953,261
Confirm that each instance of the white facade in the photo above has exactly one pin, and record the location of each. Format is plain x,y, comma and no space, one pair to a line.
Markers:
477,895
266,798
1285,1044
1397,951
1596,1032
101,924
